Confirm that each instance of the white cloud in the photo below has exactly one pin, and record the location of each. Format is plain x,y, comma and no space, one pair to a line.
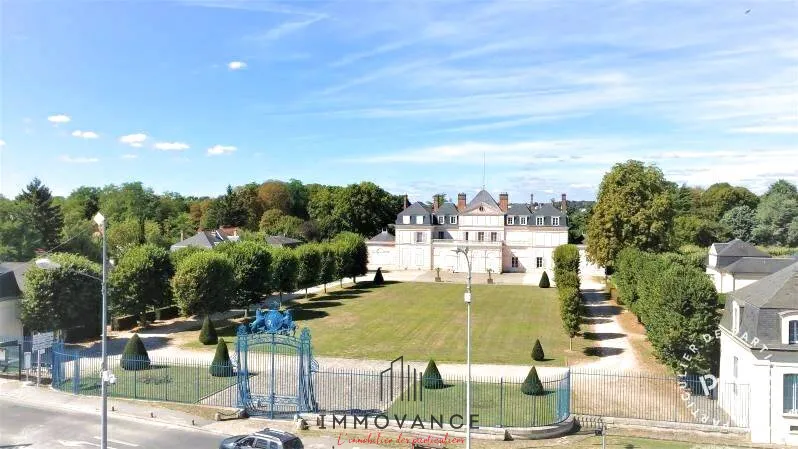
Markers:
134,140
130,156
2,143
236,65
768,129
171,146
60,118
85,134
221,149
78,160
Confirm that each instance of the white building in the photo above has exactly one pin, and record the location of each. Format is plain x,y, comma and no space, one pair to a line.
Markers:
736,264
502,237
10,294
759,348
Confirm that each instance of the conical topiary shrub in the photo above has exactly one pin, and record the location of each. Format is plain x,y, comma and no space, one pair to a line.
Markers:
432,377
221,365
207,335
537,352
544,281
135,356
532,384
378,280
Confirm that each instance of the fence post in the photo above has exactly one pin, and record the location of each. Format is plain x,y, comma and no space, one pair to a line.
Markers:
135,380
501,402
351,391
76,374
198,386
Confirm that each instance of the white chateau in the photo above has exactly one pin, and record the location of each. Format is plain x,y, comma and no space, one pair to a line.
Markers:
502,237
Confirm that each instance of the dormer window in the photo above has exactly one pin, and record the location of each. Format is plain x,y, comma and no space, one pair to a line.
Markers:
523,220
789,327
441,219
453,219
510,220
419,219
406,219
555,221
539,221
735,318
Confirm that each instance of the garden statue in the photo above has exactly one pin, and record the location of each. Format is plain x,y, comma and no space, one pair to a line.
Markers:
437,274
490,279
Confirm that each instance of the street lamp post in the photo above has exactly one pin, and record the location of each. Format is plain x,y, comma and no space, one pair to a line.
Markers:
467,298
106,378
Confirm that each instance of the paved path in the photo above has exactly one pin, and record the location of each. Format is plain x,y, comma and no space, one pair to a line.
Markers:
611,343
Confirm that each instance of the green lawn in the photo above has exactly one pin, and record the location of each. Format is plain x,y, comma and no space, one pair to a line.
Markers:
495,404
178,383
427,320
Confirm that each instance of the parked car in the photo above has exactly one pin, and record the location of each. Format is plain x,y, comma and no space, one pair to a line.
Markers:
266,439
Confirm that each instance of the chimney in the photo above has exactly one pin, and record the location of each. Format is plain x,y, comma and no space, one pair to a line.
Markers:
405,202
503,201
531,200
563,204
434,204
461,201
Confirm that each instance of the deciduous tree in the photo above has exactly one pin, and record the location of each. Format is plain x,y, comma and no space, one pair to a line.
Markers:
141,281
204,283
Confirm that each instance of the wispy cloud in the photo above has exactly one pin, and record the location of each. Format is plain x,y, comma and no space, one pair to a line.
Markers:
78,160
236,65
768,129
58,119
2,143
221,149
134,140
171,146
130,156
85,134
287,28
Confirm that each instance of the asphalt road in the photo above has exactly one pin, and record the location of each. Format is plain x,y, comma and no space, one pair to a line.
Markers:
29,427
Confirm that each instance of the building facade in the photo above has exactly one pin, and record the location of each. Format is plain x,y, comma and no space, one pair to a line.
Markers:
759,353
737,264
501,237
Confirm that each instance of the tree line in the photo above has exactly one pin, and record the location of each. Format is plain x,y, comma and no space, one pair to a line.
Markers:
566,276
36,219
198,281
638,207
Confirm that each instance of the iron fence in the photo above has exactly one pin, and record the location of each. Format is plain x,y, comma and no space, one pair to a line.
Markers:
496,402
158,379
691,399
12,353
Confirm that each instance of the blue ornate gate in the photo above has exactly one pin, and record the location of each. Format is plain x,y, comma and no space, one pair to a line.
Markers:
275,372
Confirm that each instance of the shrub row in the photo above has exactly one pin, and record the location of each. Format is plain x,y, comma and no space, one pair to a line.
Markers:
566,276
127,322
676,302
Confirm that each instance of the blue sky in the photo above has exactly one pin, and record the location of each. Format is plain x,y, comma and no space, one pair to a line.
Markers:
191,95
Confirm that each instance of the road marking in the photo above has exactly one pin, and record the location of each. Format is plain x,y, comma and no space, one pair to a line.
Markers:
119,442
80,443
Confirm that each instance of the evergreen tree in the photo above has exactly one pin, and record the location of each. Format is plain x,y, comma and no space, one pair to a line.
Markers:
544,281
532,384
432,377
378,279
221,365
537,352
46,216
134,356
207,335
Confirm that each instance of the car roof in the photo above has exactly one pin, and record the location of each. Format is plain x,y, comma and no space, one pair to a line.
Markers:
274,433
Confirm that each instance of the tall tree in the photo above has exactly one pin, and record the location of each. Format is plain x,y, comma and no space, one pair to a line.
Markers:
299,198
721,197
252,268
775,214
634,208
81,205
740,221
275,195
248,199
47,217
19,239
140,281
226,210
204,283
695,230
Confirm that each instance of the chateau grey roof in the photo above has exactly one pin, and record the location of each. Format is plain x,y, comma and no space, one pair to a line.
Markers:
776,291
759,265
281,240
738,248
10,285
447,209
202,239
383,237
483,197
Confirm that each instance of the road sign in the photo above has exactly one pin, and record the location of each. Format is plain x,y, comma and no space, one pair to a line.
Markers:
42,341
27,361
